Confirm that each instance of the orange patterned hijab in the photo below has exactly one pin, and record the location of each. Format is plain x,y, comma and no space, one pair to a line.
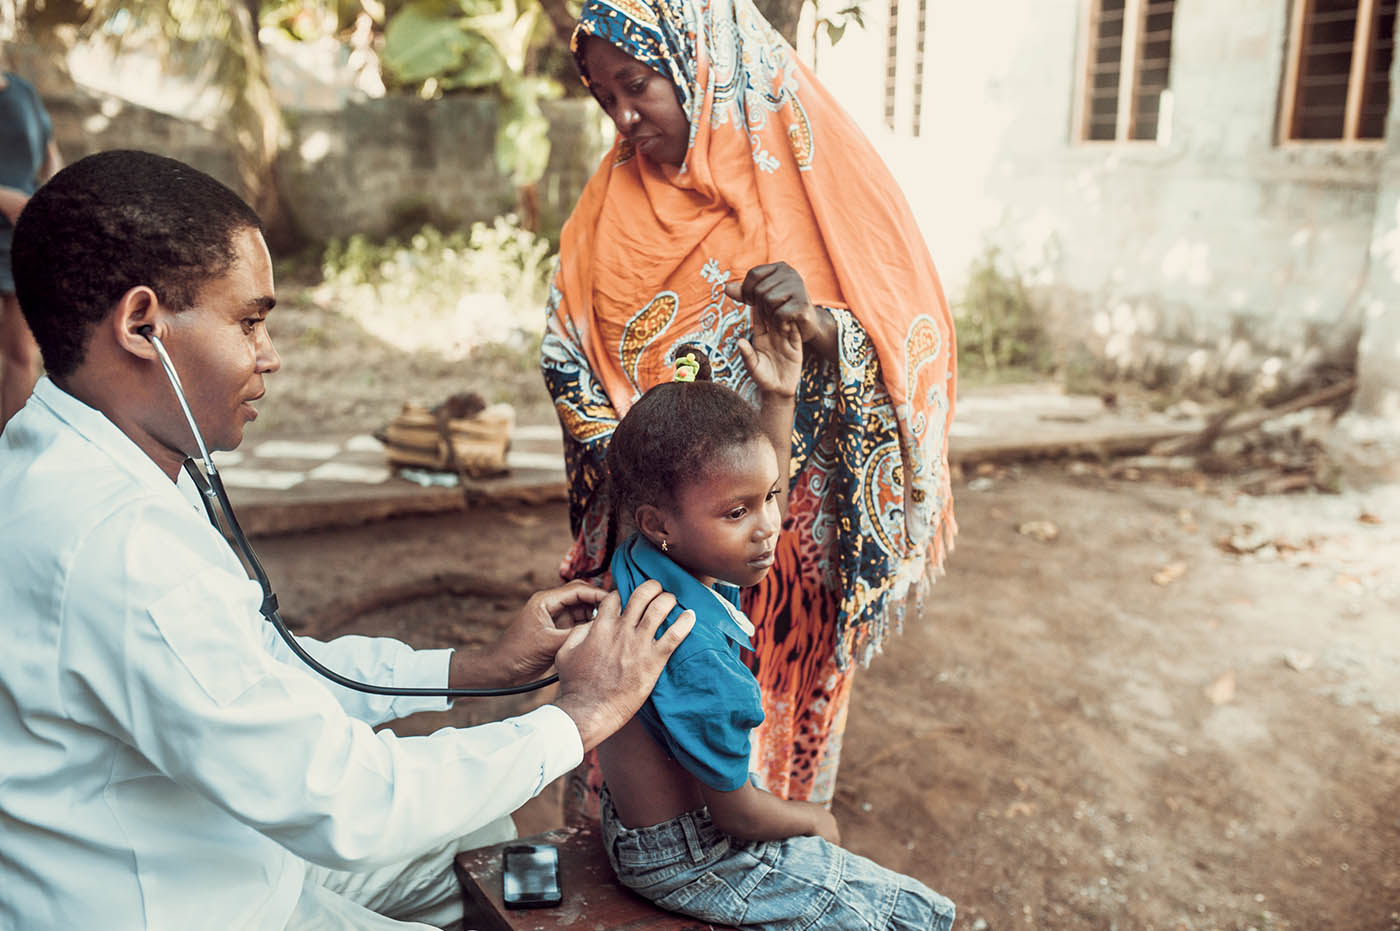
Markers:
776,170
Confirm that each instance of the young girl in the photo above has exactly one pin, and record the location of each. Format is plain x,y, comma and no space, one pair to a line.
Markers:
701,476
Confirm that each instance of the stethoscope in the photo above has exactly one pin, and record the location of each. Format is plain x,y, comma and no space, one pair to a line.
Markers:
211,488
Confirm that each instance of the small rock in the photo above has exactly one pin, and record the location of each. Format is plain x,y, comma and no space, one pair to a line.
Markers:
1222,690
1042,530
1298,660
1169,573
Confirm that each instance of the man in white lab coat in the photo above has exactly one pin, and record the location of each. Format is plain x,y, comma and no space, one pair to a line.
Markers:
168,763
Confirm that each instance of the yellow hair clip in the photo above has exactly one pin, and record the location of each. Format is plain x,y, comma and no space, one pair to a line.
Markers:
687,367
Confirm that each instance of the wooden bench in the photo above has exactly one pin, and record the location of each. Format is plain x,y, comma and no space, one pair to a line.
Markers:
593,898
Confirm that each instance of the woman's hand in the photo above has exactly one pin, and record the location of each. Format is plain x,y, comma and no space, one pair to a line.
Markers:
779,298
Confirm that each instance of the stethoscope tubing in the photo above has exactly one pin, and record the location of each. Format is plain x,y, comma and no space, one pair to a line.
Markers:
211,487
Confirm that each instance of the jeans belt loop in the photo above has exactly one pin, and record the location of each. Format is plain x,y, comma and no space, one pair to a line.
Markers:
692,838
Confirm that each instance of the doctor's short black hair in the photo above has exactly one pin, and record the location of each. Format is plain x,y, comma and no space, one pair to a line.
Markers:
111,222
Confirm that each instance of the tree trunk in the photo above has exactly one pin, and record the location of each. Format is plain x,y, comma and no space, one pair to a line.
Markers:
782,15
560,20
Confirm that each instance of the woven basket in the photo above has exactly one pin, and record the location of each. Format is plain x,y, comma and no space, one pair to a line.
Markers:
474,446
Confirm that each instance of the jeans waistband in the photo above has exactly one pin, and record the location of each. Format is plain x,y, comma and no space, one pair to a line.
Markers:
691,835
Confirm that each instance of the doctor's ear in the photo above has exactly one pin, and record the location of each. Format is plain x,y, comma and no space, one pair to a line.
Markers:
137,316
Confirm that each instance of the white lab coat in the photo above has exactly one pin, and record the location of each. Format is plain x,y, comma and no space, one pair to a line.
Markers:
165,762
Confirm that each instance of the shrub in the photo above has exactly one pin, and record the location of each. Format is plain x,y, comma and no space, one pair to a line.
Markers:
997,325
447,292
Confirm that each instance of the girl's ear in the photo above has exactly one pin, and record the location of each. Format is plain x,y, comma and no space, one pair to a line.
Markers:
653,523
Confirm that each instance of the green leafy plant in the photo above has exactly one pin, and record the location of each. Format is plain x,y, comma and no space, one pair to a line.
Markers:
834,24
449,292
443,45
998,328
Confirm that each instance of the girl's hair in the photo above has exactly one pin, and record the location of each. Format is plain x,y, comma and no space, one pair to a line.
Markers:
666,441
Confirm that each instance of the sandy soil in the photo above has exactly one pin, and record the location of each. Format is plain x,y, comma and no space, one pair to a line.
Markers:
1129,704
1062,742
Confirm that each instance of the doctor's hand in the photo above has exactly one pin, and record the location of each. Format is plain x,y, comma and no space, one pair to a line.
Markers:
607,668
527,647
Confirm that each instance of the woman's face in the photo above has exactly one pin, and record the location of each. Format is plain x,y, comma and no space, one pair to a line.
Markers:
641,102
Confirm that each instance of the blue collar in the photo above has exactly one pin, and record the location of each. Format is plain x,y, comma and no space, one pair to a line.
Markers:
637,560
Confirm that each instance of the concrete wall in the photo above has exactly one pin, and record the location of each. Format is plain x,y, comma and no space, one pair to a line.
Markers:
1370,432
1216,256
371,167
85,123
378,165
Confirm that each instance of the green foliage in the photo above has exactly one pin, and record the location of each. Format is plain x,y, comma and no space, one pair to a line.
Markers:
997,325
308,20
836,23
450,292
212,43
432,40
442,45
522,139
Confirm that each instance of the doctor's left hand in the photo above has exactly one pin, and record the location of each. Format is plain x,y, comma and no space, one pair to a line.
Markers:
526,648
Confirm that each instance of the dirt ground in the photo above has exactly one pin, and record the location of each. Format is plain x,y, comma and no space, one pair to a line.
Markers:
1127,726
1129,704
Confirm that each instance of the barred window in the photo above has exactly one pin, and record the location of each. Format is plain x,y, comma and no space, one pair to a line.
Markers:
904,80
1337,85
1127,67
891,61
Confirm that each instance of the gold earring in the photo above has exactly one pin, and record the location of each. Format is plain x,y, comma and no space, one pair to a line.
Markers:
665,546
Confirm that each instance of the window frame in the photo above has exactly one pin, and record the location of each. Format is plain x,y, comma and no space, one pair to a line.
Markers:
1366,16
1135,12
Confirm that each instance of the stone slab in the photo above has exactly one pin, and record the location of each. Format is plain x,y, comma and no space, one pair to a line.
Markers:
286,484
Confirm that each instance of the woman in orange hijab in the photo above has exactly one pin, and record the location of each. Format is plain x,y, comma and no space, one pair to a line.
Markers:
739,195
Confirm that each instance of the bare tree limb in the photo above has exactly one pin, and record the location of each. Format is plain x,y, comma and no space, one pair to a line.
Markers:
1234,421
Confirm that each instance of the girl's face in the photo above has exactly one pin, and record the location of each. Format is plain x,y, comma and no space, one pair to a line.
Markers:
725,523
641,102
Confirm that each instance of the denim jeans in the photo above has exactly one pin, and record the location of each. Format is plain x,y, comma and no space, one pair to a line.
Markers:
688,865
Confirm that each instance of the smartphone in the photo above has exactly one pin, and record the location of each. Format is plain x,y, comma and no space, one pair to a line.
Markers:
530,876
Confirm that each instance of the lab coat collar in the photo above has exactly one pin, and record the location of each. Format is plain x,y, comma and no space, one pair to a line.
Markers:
94,426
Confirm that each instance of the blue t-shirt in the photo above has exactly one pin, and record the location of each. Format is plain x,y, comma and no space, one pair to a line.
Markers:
706,700
24,141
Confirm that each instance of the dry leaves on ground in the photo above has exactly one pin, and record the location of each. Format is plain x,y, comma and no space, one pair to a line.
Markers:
1169,573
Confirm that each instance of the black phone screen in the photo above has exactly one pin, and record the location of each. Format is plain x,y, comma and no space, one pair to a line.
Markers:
530,876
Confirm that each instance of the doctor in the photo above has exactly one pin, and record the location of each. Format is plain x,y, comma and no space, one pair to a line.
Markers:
168,764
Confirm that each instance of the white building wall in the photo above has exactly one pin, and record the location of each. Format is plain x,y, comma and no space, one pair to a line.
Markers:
1217,254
